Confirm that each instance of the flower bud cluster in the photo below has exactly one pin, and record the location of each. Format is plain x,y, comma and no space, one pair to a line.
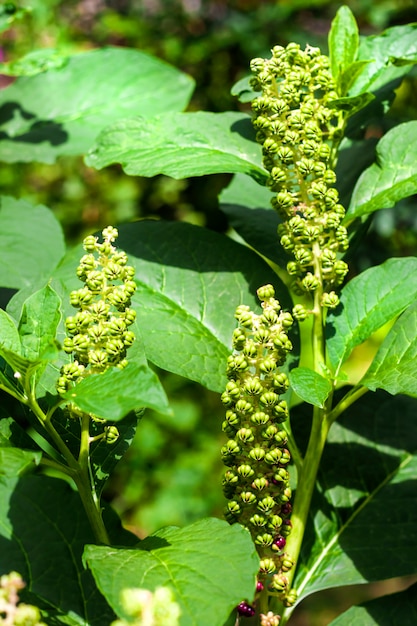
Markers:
11,611
98,334
299,131
256,482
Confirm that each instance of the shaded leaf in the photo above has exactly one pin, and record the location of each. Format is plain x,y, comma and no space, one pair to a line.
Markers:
112,394
31,243
394,366
395,608
15,461
43,530
62,110
180,145
209,565
392,177
310,386
369,301
351,104
248,208
9,335
362,527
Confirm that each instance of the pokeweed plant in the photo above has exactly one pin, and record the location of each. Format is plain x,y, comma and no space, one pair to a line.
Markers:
320,473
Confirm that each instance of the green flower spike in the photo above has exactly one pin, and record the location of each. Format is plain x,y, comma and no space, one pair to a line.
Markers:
300,131
256,482
11,611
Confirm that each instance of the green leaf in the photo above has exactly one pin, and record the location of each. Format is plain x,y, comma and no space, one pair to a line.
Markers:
351,104
362,526
383,50
180,145
343,42
16,462
9,14
114,393
392,177
209,565
394,366
310,386
62,110
369,301
34,63
31,243
9,335
189,282
38,324
395,608
248,208
43,530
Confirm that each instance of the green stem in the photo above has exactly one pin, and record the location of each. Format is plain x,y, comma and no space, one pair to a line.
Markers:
351,397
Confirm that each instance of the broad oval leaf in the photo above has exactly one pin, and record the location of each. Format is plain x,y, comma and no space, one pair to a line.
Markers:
38,324
310,386
180,145
61,111
392,177
209,565
112,394
362,525
31,243
9,335
367,302
394,366
343,42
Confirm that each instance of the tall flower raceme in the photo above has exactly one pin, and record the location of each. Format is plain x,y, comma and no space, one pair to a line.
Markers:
98,334
256,482
300,132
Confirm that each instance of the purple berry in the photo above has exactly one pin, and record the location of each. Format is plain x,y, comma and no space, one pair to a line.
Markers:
259,586
286,508
245,609
280,542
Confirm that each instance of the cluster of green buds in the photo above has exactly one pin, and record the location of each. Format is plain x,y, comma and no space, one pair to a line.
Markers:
300,131
13,613
98,334
256,482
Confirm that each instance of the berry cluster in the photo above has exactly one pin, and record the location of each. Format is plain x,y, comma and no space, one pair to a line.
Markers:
11,611
98,334
299,131
256,482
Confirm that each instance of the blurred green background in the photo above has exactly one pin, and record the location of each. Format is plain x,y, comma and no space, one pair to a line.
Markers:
172,473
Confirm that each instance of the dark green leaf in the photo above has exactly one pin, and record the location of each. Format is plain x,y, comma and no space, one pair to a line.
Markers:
9,335
395,608
398,42
61,111
210,566
43,530
15,461
369,301
310,386
248,208
38,324
351,104
180,145
392,177
343,42
362,523
114,393
394,367
31,243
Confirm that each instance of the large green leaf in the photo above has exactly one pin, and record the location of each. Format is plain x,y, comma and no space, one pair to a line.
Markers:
343,43
369,301
310,386
43,530
62,110
9,335
391,53
31,243
392,177
394,367
180,145
38,324
362,524
114,393
190,281
15,461
247,205
395,608
210,566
